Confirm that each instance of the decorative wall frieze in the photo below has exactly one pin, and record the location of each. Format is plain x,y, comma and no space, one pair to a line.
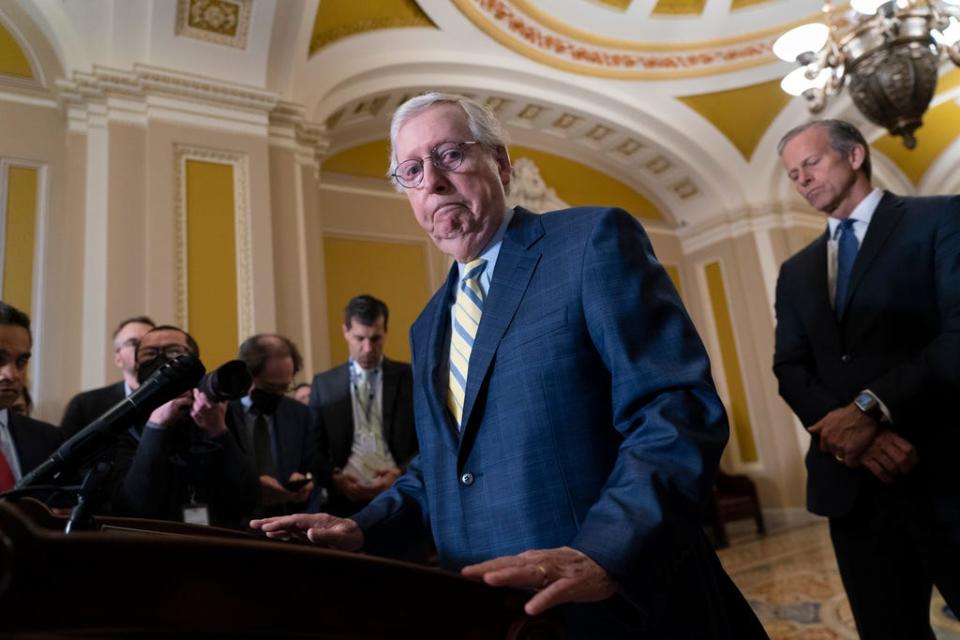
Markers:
289,128
528,30
146,92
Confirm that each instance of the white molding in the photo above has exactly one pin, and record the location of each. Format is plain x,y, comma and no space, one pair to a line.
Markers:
95,252
304,268
145,93
693,239
30,100
242,231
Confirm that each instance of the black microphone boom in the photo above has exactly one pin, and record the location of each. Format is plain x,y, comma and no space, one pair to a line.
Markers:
168,382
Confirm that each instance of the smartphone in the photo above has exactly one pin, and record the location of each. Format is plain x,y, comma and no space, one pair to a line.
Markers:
296,485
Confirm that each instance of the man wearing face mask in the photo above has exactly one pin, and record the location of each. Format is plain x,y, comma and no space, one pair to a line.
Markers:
185,463
275,431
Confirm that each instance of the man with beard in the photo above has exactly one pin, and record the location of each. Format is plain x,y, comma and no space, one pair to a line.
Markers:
275,430
185,463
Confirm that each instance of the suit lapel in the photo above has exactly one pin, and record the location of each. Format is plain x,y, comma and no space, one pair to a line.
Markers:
885,219
515,266
437,351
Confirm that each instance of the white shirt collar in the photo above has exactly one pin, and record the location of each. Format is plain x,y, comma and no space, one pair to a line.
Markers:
3,418
863,212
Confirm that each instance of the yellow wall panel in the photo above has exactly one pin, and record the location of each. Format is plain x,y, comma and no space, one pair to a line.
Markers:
13,62
394,272
338,19
738,409
20,237
212,261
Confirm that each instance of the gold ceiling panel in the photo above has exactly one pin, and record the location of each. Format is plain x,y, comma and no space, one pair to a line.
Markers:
742,115
225,22
338,19
13,61
619,5
740,4
679,7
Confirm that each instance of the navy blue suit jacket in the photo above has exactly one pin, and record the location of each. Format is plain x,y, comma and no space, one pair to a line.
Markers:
590,417
899,337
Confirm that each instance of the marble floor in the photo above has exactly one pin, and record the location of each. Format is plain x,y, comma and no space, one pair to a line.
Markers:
791,580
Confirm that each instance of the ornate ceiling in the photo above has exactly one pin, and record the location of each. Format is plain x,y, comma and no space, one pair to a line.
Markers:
676,102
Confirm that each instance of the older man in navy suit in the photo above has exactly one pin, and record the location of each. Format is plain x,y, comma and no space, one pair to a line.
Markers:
868,357
569,429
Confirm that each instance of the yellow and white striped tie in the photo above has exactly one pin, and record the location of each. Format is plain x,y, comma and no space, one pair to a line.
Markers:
466,320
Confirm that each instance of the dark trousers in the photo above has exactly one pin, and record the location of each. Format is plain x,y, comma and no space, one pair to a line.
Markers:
891,549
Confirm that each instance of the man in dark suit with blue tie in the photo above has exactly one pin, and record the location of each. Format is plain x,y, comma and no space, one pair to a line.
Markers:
569,428
868,357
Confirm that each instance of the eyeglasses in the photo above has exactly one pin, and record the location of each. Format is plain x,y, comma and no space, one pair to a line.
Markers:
169,351
446,156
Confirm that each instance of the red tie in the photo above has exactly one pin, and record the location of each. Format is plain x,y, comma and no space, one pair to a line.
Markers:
6,474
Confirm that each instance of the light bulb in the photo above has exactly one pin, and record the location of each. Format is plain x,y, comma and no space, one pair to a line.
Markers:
796,82
807,37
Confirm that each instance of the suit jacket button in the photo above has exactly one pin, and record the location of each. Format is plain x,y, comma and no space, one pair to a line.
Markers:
845,358
467,479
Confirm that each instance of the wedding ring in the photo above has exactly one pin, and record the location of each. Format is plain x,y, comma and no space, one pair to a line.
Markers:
543,570
838,457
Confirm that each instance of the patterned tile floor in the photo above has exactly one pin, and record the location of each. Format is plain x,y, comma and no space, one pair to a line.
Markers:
792,582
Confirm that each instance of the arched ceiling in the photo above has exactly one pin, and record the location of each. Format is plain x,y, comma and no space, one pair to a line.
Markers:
677,100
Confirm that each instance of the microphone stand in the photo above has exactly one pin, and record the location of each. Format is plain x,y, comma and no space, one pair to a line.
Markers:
81,518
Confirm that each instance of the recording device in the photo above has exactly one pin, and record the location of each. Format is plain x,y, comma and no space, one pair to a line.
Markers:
166,383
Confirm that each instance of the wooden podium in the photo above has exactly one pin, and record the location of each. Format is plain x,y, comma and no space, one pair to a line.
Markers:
146,578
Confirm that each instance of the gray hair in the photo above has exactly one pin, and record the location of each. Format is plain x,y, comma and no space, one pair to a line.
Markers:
843,138
484,126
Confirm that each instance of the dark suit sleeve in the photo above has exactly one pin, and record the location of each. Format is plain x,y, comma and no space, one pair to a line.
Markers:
793,358
397,516
647,518
939,360
320,445
143,474
73,416
229,481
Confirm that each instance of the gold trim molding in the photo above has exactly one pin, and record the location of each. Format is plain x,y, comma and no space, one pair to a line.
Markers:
241,191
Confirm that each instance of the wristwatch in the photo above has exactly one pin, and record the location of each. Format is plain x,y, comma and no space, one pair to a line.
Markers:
868,403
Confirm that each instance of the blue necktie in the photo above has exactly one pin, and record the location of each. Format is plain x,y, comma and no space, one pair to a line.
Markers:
846,255
466,321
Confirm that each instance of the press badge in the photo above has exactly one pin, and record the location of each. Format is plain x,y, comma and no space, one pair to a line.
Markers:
195,513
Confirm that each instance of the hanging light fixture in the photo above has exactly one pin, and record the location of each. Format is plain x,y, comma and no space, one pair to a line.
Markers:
888,52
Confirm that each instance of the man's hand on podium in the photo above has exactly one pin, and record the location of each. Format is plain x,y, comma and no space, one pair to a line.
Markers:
319,528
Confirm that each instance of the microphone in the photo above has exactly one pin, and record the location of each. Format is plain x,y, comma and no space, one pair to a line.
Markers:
168,382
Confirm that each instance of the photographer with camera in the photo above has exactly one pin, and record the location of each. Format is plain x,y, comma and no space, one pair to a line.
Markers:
185,463
276,431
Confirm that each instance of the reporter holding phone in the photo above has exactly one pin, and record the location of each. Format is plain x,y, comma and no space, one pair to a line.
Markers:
275,431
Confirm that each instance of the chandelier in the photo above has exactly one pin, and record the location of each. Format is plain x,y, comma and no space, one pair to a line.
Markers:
889,52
